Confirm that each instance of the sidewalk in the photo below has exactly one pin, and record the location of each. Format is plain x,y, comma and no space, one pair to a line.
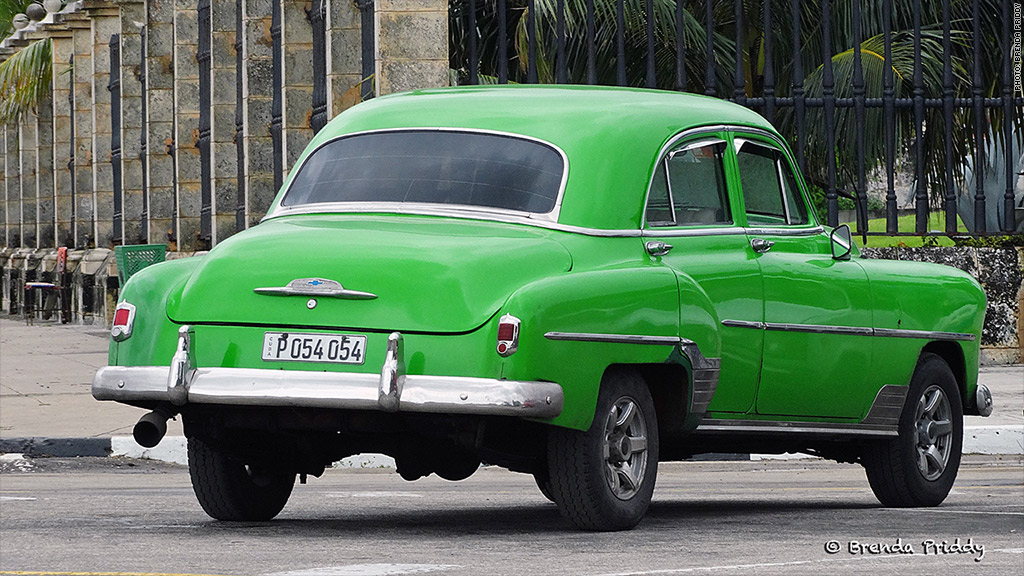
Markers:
46,406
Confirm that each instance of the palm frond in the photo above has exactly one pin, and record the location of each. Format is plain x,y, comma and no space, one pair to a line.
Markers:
26,78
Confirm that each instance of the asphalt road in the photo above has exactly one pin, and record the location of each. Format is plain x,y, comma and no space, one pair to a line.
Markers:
777,517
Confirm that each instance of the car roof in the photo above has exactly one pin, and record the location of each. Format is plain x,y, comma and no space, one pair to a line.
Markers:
610,135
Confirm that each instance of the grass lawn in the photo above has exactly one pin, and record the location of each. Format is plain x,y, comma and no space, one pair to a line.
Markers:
936,221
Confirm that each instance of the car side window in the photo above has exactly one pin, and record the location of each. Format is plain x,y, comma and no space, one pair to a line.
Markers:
689,187
770,191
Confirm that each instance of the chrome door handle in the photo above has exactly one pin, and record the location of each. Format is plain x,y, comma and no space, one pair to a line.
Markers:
657,247
760,245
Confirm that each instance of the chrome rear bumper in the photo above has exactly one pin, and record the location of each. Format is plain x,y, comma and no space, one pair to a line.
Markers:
392,390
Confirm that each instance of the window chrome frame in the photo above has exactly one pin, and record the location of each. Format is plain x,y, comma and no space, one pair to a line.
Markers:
421,208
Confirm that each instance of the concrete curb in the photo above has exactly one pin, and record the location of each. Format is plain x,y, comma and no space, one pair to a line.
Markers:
993,440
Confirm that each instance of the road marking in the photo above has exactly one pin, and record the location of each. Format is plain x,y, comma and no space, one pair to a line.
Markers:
368,570
749,567
31,573
374,494
16,498
934,511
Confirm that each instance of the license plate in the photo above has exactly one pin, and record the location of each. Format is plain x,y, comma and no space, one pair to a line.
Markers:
297,347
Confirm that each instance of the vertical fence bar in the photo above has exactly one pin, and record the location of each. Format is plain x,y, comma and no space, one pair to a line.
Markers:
318,25
144,138
204,59
799,110
652,80
531,42
502,41
709,49
680,49
858,103
828,92
591,44
71,153
1008,211
620,42
889,105
947,115
114,86
769,71
980,125
240,219
561,69
366,27
921,192
277,110
474,57
739,93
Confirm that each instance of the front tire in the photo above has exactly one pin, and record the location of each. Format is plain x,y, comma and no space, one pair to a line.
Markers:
919,467
227,489
603,478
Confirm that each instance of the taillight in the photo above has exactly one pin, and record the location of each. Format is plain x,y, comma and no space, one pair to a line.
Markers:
124,318
508,335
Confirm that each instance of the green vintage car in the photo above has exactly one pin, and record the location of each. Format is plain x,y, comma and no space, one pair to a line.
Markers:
570,282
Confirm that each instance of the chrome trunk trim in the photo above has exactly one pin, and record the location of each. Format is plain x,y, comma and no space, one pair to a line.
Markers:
315,287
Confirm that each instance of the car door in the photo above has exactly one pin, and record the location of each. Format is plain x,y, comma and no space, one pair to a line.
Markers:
689,209
817,312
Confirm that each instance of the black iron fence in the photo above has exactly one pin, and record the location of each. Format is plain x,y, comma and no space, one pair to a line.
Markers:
867,92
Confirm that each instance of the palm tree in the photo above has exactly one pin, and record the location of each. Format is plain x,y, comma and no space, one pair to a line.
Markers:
26,77
753,37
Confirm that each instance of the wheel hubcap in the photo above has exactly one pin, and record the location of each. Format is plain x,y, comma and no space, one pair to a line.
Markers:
625,448
934,423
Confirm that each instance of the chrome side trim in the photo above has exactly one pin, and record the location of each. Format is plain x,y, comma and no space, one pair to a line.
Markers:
785,428
615,338
277,210
848,330
887,406
656,232
785,231
891,333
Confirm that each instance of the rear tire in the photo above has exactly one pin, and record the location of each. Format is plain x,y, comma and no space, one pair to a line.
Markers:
603,478
919,467
227,489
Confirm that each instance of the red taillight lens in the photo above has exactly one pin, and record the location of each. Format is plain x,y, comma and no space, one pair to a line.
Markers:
508,335
121,317
124,318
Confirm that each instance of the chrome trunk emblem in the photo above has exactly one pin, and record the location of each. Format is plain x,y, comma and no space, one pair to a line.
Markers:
315,287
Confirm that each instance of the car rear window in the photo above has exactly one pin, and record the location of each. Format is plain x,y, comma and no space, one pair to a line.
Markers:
433,167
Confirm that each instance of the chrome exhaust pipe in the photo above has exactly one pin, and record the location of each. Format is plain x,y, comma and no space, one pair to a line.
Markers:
150,429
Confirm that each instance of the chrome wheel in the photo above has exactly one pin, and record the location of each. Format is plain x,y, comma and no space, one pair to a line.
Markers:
934,426
625,448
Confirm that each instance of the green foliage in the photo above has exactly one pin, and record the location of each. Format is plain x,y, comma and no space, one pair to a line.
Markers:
990,241
8,8
26,78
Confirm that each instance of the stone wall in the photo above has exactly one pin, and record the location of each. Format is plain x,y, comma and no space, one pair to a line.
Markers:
1000,272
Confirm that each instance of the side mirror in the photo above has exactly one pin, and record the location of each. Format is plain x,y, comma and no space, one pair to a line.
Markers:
842,242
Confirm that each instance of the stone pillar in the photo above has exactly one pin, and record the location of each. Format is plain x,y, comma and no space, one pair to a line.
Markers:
85,214
412,44
44,176
63,48
186,106
225,162
160,46
12,161
105,23
29,190
6,187
132,12
344,50
298,80
259,149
